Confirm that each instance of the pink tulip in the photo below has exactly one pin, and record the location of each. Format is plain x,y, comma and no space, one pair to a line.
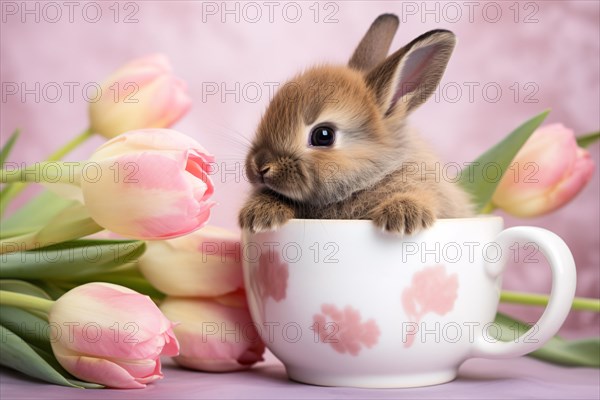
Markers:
111,335
141,94
205,263
547,173
216,334
149,184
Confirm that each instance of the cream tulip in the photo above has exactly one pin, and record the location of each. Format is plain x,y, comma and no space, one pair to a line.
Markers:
149,184
141,94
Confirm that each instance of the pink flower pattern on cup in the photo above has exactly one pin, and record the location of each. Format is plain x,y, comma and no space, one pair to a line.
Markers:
271,280
343,329
272,276
431,290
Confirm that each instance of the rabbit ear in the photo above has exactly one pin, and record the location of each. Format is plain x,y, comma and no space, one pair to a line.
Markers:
409,76
375,45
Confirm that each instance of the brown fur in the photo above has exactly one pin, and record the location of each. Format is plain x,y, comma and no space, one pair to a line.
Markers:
378,168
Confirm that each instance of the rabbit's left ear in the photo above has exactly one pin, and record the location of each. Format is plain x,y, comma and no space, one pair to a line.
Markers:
409,76
374,46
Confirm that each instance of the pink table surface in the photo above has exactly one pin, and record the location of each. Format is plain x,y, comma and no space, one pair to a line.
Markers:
520,378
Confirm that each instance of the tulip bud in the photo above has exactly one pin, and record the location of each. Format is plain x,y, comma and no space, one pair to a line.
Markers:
141,94
205,263
216,334
149,184
111,335
548,171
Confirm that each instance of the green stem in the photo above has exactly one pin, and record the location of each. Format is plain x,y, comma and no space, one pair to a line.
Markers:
25,301
13,191
47,171
579,303
48,236
488,208
70,146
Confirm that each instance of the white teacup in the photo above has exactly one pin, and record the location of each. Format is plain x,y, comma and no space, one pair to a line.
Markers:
341,303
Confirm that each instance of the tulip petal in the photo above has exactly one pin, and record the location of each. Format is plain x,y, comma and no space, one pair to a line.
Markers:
100,371
140,71
545,159
128,337
198,168
205,263
172,225
138,369
156,374
170,101
171,348
89,325
236,299
180,272
178,203
149,139
212,365
547,172
212,335
581,174
141,94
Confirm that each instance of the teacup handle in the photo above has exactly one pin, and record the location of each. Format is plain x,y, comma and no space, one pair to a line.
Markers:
561,297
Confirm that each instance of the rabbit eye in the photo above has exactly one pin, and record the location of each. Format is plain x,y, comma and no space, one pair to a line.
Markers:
322,136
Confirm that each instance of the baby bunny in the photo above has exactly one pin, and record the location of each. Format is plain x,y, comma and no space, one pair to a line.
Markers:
334,143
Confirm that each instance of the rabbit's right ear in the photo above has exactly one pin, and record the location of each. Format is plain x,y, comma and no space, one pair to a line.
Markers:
409,76
374,46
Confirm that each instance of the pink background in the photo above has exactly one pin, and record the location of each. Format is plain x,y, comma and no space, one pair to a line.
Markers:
552,49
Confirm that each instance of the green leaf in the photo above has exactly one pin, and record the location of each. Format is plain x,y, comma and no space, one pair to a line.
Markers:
50,359
70,260
17,354
50,288
585,140
481,177
580,353
13,285
4,153
6,189
130,277
30,327
69,224
35,214
33,329
24,287
36,333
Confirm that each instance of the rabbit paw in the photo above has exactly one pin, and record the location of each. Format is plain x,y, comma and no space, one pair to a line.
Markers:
403,214
264,214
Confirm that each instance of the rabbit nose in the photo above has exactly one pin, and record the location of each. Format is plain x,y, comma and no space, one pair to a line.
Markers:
263,172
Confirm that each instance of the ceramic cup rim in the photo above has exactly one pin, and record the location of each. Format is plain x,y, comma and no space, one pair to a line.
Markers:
438,221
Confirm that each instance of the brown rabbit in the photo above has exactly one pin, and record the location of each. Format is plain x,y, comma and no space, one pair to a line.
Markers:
334,144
